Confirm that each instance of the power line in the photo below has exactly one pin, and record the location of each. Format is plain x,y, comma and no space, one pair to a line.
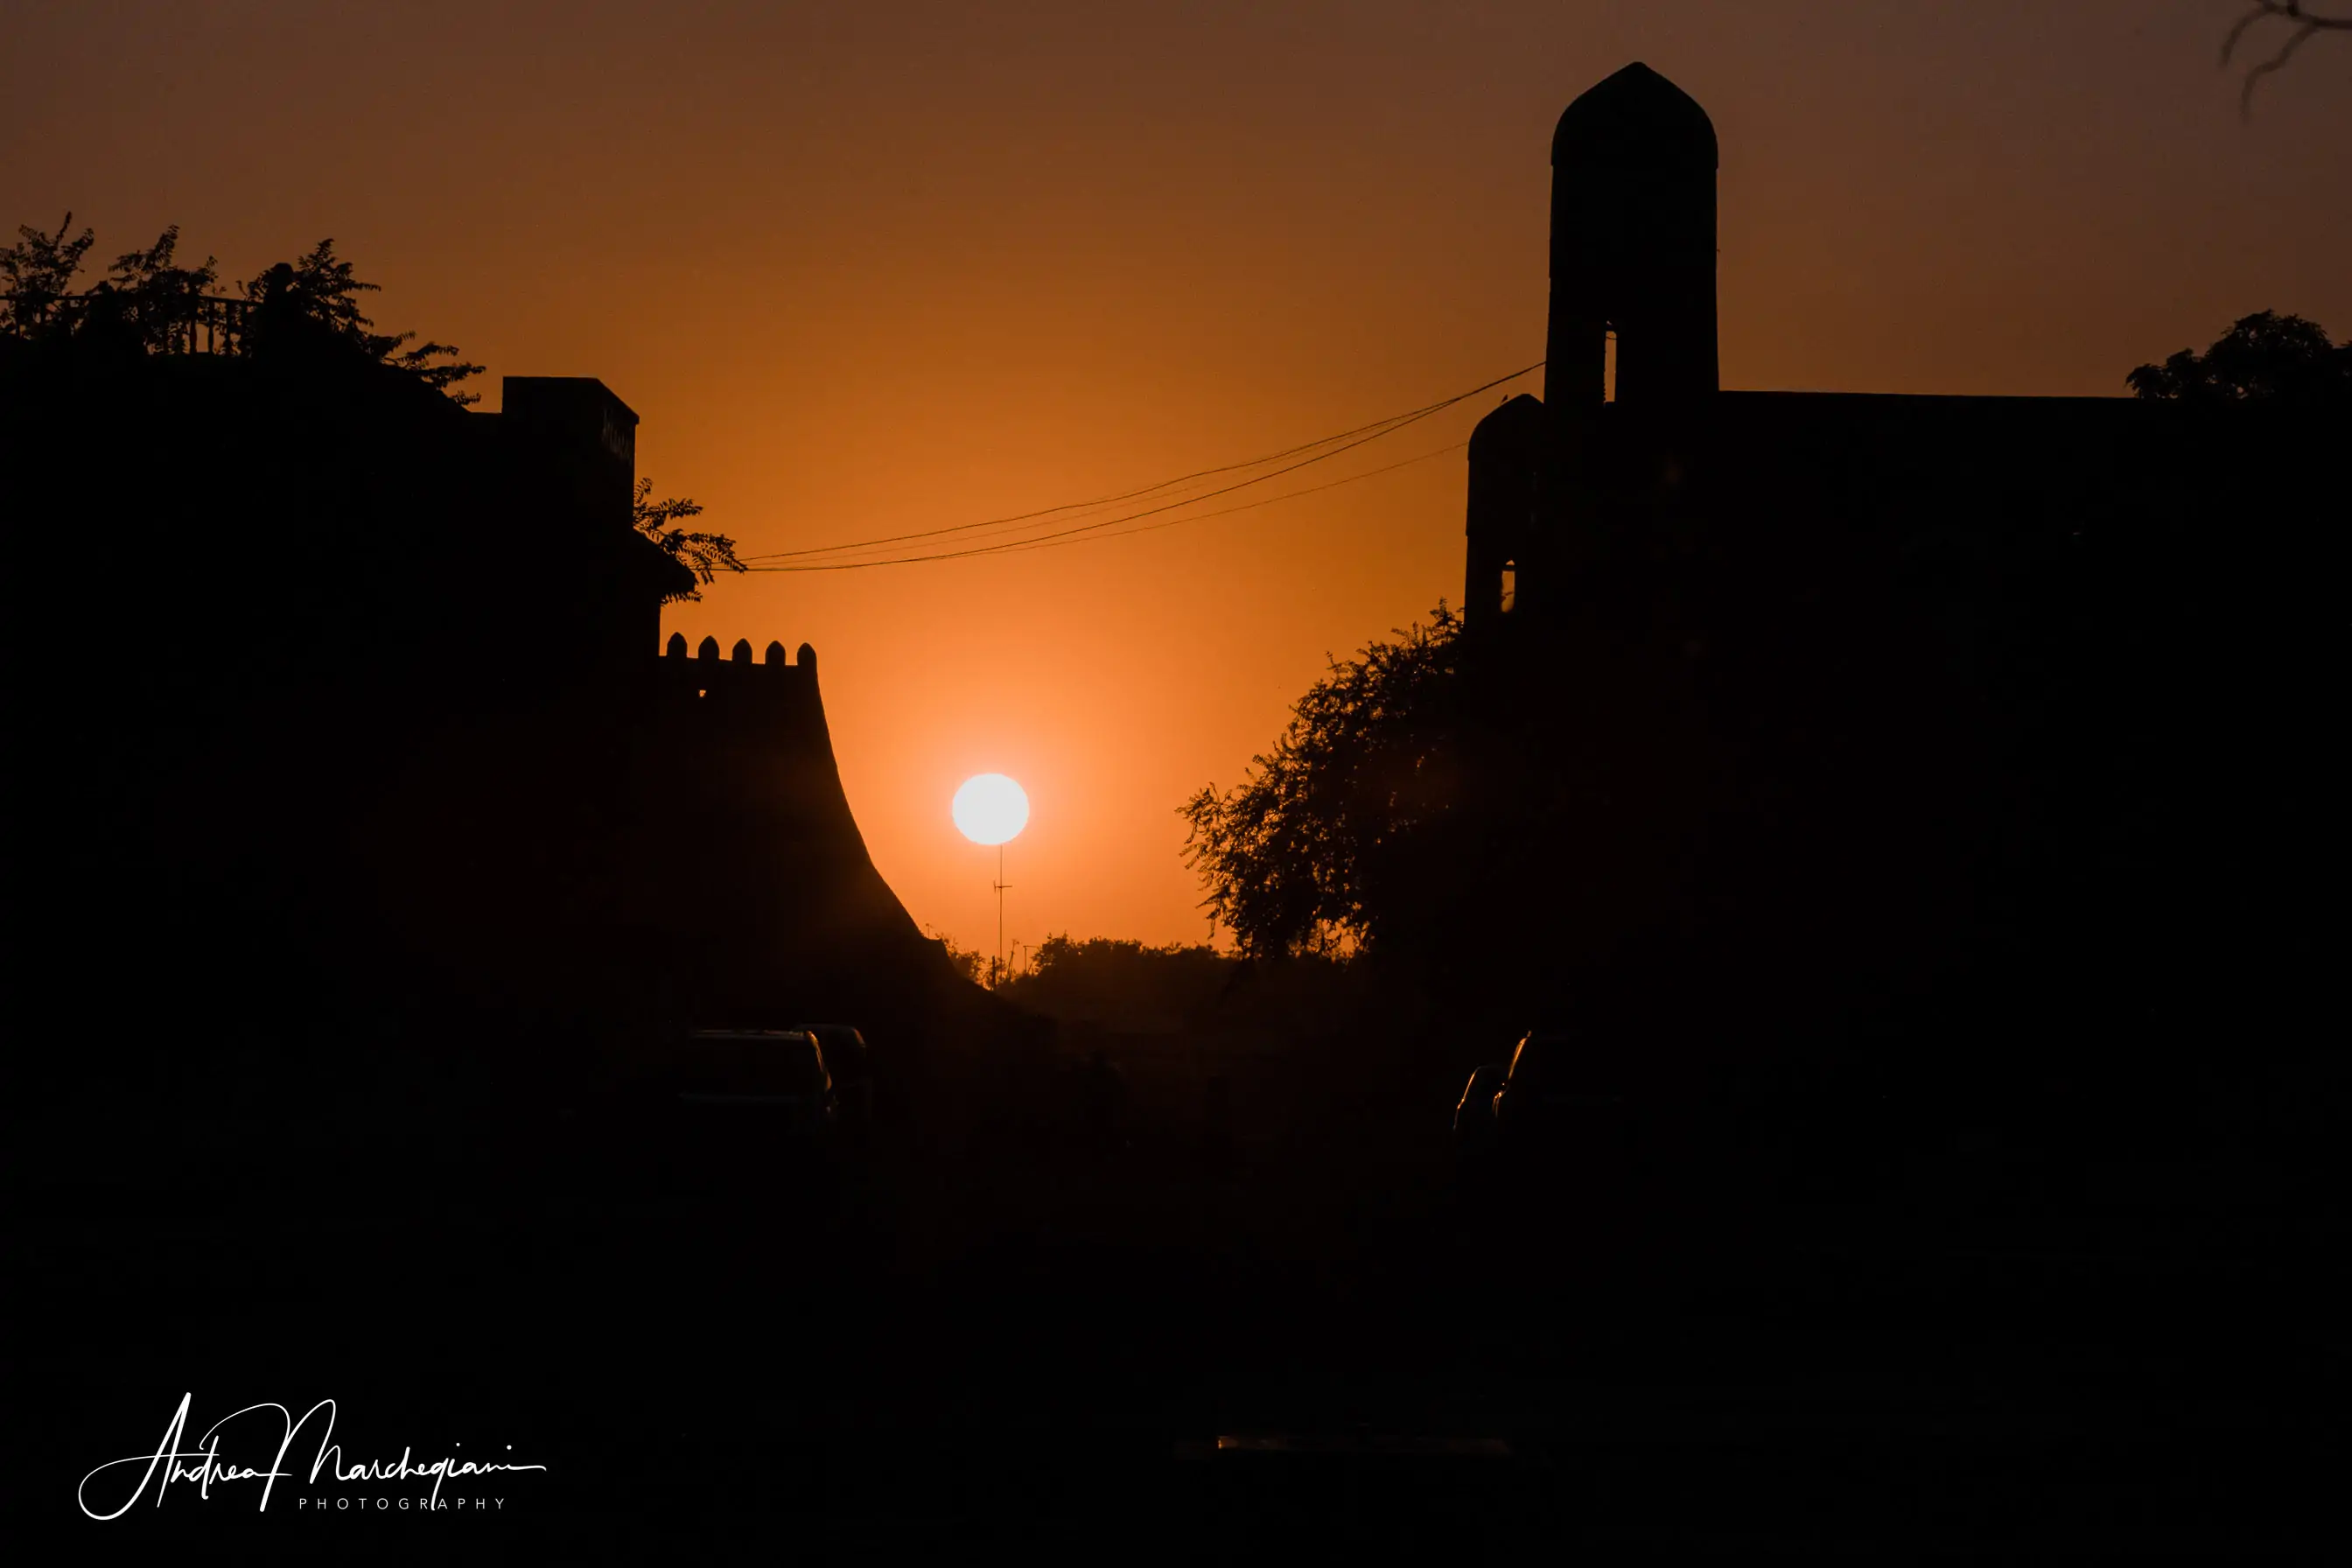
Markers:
1245,506
1004,531
1088,505
1090,530
1363,433
1014,547
1377,427
1070,535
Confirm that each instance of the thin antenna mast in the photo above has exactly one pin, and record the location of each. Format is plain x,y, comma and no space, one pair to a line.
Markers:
999,885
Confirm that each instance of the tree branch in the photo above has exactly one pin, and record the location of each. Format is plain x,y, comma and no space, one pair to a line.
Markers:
2307,27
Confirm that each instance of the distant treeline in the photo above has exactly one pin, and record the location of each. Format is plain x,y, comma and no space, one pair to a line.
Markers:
1122,984
1133,987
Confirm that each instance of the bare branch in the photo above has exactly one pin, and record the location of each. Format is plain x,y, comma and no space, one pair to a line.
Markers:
2229,43
2307,27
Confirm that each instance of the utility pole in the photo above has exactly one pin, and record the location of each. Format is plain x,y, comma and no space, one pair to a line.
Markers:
999,885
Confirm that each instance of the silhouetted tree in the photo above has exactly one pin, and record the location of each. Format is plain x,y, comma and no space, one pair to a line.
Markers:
148,298
2262,358
704,554
39,269
161,295
1121,984
1312,853
321,290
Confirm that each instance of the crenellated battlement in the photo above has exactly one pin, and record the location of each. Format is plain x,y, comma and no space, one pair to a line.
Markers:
707,673
739,733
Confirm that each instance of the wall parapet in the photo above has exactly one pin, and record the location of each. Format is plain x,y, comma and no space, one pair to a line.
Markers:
705,672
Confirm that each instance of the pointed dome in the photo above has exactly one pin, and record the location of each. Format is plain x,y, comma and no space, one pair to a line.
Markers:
1513,431
1637,118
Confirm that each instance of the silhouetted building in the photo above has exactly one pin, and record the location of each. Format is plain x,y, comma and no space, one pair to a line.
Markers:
384,724
1848,695
580,443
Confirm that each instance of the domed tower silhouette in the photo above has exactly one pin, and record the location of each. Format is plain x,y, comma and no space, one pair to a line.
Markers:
1503,527
1632,244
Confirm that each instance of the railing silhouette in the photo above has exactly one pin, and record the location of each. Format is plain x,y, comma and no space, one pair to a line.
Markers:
188,324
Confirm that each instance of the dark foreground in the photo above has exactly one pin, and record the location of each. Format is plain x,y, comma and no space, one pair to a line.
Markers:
1141,1334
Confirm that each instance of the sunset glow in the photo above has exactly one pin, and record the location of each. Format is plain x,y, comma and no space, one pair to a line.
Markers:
873,270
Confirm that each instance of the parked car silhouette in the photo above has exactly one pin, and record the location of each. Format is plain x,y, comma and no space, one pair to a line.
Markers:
737,1110
1559,1103
848,1063
765,1080
1474,1117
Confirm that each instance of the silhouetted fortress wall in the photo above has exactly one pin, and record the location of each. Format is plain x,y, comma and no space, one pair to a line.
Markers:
1834,698
389,729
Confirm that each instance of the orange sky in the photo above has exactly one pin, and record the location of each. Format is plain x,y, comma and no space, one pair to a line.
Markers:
868,268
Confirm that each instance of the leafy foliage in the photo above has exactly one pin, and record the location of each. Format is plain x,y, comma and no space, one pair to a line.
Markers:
147,296
2262,358
322,288
1314,853
159,296
39,271
704,554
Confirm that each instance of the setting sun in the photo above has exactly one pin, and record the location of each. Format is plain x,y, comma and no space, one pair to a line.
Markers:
991,808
